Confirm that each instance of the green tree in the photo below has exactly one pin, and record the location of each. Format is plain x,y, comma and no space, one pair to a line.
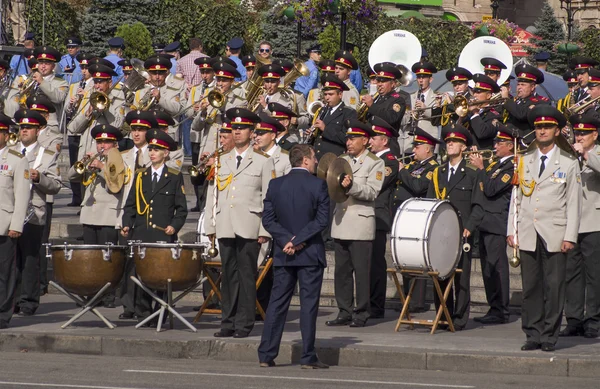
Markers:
589,39
138,42
62,21
551,31
283,34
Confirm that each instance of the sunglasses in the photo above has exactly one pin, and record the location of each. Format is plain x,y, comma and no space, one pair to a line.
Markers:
264,50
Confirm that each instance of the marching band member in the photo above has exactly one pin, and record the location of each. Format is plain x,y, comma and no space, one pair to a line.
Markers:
15,183
353,227
160,94
581,66
249,63
456,182
519,107
4,67
127,68
165,122
50,84
12,103
330,120
326,66
459,77
413,181
45,180
242,180
87,117
379,142
301,120
344,64
582,289
271,75
548,203
593,86
481,118
493,195
265,134
571,79
284,115
492,67
209,119
424,97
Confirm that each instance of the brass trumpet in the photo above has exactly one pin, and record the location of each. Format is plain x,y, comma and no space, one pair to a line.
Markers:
489,153
84,164
582,106
194,171
362,109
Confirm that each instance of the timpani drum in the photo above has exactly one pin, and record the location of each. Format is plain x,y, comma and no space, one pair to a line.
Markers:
85,269
427,236
157,263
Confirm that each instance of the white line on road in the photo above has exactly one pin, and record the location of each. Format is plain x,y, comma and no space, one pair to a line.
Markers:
35,384
301,379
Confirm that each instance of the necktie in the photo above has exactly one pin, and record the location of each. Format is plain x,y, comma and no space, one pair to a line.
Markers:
268,98
543,165
137,160
72,63
239,161
154,181
23,151
451,173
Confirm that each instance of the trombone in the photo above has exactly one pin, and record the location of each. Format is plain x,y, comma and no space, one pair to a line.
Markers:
582,106
461,105
486,154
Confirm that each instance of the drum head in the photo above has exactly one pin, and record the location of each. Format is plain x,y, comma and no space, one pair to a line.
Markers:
444,240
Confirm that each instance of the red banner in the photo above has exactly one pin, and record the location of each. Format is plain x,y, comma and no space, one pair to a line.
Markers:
519,46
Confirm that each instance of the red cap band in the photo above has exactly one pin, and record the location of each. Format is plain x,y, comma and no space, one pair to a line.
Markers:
31,121
584,127
159,143
424,71
46,57
327,68
456,135
280,115
101,75
459,77
224,73
527,76
422,139
205,66
483,86
127,68
262,126
241,120
162,123
332,85
582,66
545,120
39,107
344,62
385,74
3,126
157,67
382,131
250,64
357,131
503,135
493,68
271,75
140,123
105,136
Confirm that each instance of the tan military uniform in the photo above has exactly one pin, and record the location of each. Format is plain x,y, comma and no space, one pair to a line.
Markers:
175,159
240,196
172,101
197,93
11,103
281,159
54,88
354,219
14,190
351,97
425,118
49,138
81,124
129,157
49,182
590,178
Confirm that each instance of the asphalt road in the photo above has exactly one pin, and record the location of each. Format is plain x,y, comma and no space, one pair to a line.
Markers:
35,370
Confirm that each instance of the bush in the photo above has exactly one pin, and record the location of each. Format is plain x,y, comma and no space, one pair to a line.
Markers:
138,41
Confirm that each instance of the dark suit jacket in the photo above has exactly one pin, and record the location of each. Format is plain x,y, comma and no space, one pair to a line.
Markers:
383,201
493,194
166,206
296,209
333,139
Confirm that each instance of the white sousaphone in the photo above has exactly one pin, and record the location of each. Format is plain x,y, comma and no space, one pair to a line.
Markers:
399,47
482,47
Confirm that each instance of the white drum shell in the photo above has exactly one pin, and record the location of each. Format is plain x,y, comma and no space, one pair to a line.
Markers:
426,236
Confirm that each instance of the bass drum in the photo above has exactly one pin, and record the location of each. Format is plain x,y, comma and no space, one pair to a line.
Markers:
427,236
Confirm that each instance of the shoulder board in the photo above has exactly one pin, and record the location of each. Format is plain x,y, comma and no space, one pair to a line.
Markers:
119,86
343,155
373,156
173,171
172,87
395,94
140,170
178,78
433,162
49,152
14,152
260,152
390,157
534,99
492,110
284,151
544,98
59,76
124,152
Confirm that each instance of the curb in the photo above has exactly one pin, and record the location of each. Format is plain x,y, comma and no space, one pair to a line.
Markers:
246,351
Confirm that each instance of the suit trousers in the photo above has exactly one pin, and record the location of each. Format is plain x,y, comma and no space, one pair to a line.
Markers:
494,269
543,277
238,285
45,239
378,274
459,299
8,277
352,267
73,151
100,234
582,288
28,267
132,297
310,279
198,189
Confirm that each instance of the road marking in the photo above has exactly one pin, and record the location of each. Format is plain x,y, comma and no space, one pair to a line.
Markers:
33,384
302,379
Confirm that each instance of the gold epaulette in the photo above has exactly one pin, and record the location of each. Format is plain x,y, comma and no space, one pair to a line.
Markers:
284,151
372,156
260,152
49,152
178,78
433,162
125,151
140,170
118,86
59,76
13,152
173,171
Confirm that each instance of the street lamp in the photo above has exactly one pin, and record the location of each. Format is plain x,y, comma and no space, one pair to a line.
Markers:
495,5
572,7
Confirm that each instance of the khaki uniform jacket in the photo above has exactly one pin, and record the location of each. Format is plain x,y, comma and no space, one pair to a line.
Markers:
99,207
425,123
354,219
553,208
49,182
351,97
197,93
129,161
240,197
49,138
281,160
11,103
172,101
81,124
14,190
54,88
73,88
175,160
590,182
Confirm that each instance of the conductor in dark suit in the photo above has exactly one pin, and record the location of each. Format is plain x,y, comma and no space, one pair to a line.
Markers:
296,210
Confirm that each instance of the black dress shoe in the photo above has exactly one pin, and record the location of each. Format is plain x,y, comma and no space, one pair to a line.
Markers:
3,324
315,365
127,316
340,321
590,334
571,331
530,345
490,319
358,323
267,364
25,312
16,309
258,317
549,347
195,209
377,316
224,334
72,204
240,334
43,291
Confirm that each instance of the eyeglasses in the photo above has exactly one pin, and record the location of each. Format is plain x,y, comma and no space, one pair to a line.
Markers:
264,50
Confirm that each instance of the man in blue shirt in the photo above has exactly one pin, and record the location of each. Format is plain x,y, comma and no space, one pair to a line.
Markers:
117,45
305,83
18,63
69,63
234,48
355,76
173,49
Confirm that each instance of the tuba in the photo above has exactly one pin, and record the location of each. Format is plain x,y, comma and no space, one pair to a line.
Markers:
27,88
136,80
254,89
99,101
483,47
299,70
397,46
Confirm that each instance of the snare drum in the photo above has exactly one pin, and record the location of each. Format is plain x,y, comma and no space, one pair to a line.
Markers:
156,263
85,269
427,235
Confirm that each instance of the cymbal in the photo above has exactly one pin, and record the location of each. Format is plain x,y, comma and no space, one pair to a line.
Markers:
324,163
114,171
335,174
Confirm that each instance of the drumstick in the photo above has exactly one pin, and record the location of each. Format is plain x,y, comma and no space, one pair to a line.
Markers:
158,227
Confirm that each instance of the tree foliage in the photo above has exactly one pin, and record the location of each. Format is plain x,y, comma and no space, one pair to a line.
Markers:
138,41
61,22
589,39
551,31
283,34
